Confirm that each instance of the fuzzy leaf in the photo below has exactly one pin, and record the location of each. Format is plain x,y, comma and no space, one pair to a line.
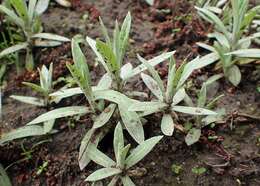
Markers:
234,75
153,86
141,151
104,117
29,100
13,49
22,132
144,106
126,180
50,36
41,6
118,141
167,125
246,53
193,136
103,173
60,113
193,110
179,96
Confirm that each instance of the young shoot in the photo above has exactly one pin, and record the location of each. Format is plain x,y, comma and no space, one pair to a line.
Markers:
118,169
168,98
231,46
26,17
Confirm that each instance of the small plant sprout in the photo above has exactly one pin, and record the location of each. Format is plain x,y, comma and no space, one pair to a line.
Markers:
232,47
110,54
119,169
27,18
167,99
194,132
44,89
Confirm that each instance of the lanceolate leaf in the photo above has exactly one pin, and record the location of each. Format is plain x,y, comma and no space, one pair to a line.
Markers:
141,151
12,49
29,100
60,113
150,105
193,110
103,173
118,141
234,75
167,125
179,96
246,53
22,132
127,181
41,6
99,157
132,123
193,136
17,20
105,116
153,86
50,36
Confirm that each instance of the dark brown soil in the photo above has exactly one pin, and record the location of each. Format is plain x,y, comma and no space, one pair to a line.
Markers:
233,158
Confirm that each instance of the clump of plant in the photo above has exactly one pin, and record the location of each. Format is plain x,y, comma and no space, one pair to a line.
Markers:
167,99
124,161
231,45
26,17
194,131
44,89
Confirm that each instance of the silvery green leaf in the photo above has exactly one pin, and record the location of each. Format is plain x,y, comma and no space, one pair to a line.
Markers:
167,125
213,78
14,48
118,141
124,37
212,17
103,173
132,123
83,159
234,75
197,64
50,36
193,110
188,100
64,3
22,132
11,14
105,32
170,83
46,43
150,2
41,6
60,94
113,96
246,53
205,46
104,117
48,126
126,71
31,9
60,113
193,136
126,180
214,9
29,100
214,118
202,97
35,87
154,74
141,151
4,179
179,96
99,157
152,85
220,38
154,61
92,44
136,94
104,83
150,105
122,156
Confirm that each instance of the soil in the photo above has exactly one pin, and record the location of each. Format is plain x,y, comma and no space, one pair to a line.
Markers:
232,157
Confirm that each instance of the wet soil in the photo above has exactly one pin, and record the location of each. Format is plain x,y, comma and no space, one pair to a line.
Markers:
232,157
